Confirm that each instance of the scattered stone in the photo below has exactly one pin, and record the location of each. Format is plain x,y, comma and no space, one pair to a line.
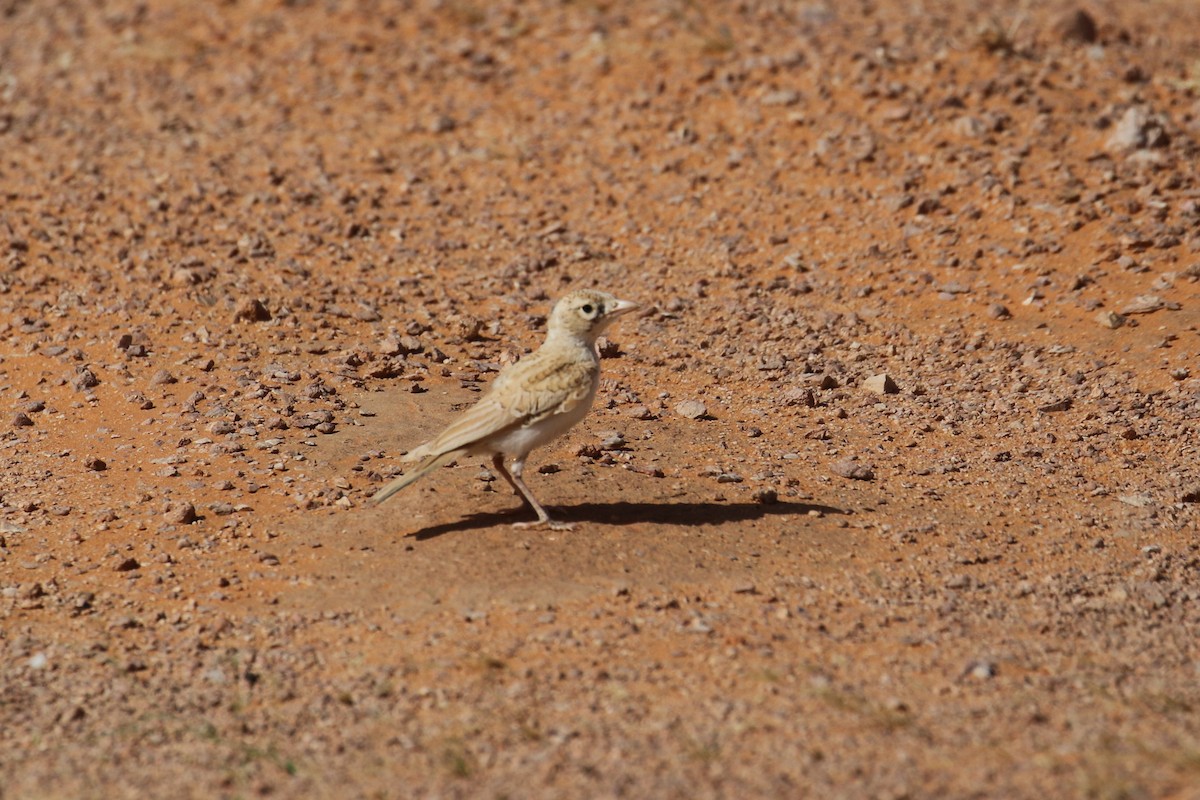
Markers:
251,309
127,565
798,396
781,97
1144,304
409,344
607,348
1191,496
1137,130
967,127
640,412
140,400
442,123
192,275
612,440
765,495
1056,406
1110,319
1075,26
21,420
981,670
95,464
390,346
84,379
181,513
691,409
162,378
881,384
999,311
927,206
959,581
849,468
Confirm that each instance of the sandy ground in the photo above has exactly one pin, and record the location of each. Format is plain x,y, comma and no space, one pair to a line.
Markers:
254,251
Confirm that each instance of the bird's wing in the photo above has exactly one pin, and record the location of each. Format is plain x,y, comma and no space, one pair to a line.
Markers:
527,392
540,387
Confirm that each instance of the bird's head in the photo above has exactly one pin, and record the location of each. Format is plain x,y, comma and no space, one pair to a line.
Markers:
587,312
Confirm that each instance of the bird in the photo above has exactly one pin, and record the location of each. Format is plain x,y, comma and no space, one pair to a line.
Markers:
530,403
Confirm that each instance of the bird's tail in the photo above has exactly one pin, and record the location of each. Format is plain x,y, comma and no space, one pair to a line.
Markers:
412,476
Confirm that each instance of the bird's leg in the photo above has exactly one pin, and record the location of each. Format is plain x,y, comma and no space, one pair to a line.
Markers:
498,463
543,520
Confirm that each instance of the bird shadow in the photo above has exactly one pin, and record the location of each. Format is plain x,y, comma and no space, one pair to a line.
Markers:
624,513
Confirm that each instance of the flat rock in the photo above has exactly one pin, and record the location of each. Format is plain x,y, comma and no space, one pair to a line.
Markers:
1144,304
881,384
849,468
691,409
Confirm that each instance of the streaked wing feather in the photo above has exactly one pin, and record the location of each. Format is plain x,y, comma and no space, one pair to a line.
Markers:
545,383
560,388
526,392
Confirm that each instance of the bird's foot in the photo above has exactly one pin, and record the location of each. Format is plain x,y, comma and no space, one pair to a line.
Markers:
552,524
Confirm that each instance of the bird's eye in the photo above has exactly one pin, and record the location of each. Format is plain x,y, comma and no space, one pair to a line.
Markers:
587,308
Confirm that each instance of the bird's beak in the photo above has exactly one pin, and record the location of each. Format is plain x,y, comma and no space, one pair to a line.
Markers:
621,307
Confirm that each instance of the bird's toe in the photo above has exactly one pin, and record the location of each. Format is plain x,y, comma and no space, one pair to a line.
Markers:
552,524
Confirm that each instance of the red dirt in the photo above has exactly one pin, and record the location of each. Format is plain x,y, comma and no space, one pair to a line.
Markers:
255,250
